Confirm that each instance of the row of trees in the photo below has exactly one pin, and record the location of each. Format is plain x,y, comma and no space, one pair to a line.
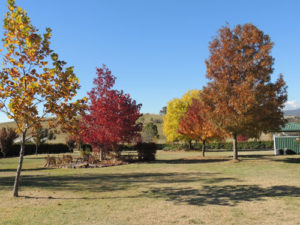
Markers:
240,99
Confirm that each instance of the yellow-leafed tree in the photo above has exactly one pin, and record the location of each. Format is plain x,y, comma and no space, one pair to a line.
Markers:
34,83
176,109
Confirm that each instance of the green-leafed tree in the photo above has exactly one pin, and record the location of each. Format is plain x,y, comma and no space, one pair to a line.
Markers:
149,132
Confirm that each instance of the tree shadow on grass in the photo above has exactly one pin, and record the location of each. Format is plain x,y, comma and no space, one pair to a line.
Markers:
288,160
110,182
228,195
192,161
256,156
31,169
79,198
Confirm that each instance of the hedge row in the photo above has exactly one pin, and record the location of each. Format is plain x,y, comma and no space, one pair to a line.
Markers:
248,145
145,151
43,149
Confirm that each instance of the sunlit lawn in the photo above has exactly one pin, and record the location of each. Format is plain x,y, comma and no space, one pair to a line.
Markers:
179,188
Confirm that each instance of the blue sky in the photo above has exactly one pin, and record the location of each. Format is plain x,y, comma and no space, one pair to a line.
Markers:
157,48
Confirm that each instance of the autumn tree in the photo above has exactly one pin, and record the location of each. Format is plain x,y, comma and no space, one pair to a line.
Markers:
241,96
176,109
34,83
111,116
7,137
149,132
197,124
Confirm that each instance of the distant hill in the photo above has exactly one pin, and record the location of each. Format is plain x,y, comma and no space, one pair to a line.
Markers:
146,118
294,112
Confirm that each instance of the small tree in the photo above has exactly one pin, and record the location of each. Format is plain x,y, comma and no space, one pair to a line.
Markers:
149,132
31,88
71,143
197,125
7,137
241,97
111,116
40,136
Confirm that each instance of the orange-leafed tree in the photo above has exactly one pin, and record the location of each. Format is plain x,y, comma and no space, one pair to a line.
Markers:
241,96
197,125
31,88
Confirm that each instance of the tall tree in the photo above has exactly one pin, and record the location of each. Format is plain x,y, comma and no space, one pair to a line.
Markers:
111,116
31,89
241,96
175,111
197,124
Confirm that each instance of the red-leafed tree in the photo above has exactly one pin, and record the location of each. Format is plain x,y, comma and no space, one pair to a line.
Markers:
111,116
197,125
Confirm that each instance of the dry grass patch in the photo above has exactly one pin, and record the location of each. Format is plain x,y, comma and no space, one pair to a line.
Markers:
178,188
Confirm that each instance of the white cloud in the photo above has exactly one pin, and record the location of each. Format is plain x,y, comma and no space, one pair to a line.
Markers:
293,104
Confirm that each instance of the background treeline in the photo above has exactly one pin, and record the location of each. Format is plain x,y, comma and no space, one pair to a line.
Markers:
248,145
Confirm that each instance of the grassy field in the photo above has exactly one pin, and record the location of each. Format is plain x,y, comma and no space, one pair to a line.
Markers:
179,188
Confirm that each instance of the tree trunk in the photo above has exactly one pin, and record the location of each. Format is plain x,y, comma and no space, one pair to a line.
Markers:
190,145
36,149
101,154
17,179
235,148
203,148
4,153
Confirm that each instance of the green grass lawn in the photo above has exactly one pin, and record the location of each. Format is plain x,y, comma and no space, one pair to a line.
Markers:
179,188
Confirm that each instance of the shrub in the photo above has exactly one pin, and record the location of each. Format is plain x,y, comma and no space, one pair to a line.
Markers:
71,143
7,137
146,151
290,152
86,152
